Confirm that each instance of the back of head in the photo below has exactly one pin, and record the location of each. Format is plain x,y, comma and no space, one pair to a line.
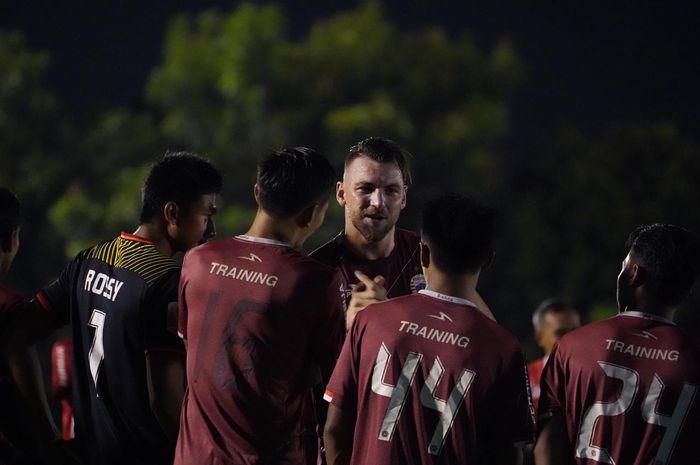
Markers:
382,150
551,305
293,179
179,177
459,232
9,213
671,256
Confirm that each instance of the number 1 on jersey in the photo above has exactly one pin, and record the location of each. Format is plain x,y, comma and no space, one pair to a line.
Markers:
97,351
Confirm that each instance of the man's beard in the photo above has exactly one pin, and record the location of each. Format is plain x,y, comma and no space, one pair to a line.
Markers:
373,233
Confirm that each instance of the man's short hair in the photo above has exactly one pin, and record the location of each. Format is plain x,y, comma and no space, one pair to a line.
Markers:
180,177
382,150
551,305
293,179
459,231
10,212
670,254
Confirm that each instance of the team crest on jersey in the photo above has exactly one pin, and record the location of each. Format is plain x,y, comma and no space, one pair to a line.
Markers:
417,282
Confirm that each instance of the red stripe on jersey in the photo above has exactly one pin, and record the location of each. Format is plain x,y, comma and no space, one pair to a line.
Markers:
133,237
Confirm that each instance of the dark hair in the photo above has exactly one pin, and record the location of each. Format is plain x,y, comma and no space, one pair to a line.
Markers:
382,150
459,231
9,213
551,305
292,179
179,177
670,254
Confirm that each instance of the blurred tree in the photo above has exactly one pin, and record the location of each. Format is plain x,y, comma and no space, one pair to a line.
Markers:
235,86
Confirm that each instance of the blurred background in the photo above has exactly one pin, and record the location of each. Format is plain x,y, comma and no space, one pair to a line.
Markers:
578,122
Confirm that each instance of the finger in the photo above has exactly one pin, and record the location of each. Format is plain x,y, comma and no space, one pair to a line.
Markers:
380,280
364,279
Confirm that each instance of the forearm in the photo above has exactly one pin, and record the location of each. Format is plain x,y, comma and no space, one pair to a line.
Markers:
338,436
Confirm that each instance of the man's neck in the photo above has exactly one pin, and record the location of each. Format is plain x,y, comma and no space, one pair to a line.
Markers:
462,286
266,227
156,233
359,246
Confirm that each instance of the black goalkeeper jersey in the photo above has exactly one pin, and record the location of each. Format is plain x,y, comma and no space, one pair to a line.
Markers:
116,296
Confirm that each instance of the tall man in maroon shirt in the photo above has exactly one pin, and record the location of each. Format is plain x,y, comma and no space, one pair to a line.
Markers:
259,317
427,378
625,390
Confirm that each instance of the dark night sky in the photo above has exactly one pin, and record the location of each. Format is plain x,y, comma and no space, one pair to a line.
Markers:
588,64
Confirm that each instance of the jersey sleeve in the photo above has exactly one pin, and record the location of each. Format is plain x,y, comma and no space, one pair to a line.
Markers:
552,385
55,298
161,295
330,329
341,390
511,415
181,300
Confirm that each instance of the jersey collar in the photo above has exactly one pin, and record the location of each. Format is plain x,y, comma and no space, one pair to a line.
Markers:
648,316
447,298
262,240
133,237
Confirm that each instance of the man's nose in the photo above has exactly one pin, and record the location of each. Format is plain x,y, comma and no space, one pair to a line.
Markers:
376,199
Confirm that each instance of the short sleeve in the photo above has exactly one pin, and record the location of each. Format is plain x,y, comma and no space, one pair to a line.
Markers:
511,415
161,295
55,298
342,387
552,386
329,330
182,300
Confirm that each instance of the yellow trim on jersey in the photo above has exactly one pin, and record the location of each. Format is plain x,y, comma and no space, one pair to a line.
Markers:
140,257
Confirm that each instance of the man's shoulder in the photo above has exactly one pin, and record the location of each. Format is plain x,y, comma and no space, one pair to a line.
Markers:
330,253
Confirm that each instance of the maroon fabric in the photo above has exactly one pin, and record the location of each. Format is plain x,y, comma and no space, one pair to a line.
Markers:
628,389
10,301
256,317
401,269
448,344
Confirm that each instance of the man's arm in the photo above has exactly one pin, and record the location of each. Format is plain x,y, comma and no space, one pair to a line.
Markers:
166,388
552,446
338,436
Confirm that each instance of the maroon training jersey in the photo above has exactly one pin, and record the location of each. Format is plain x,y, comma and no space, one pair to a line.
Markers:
257,316
628,388
402,268
431,381
10,302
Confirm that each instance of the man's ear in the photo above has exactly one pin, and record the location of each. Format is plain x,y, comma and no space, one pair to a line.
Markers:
424,255
490,257
256,193
639,275
171,212
405,195
306,216
340,193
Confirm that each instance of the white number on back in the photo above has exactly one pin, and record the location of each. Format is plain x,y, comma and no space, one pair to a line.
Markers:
397,394
97,351
630,384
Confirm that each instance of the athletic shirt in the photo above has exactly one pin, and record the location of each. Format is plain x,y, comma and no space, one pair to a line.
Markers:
257,316
534,373
401,269
430,380
116,296
628,389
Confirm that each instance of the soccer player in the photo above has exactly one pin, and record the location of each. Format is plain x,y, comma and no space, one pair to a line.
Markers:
551,320
26,425
625,390
260,318
128,374
428,378
372,256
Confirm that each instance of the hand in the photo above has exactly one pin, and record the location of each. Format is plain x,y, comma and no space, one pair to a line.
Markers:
368,291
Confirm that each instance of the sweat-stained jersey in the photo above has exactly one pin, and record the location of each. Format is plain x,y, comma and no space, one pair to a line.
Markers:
257,316
628,389
431,380
401,269
115,296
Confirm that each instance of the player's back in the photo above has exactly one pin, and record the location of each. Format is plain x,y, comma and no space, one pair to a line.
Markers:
437,382
115,296
256,315
628,386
